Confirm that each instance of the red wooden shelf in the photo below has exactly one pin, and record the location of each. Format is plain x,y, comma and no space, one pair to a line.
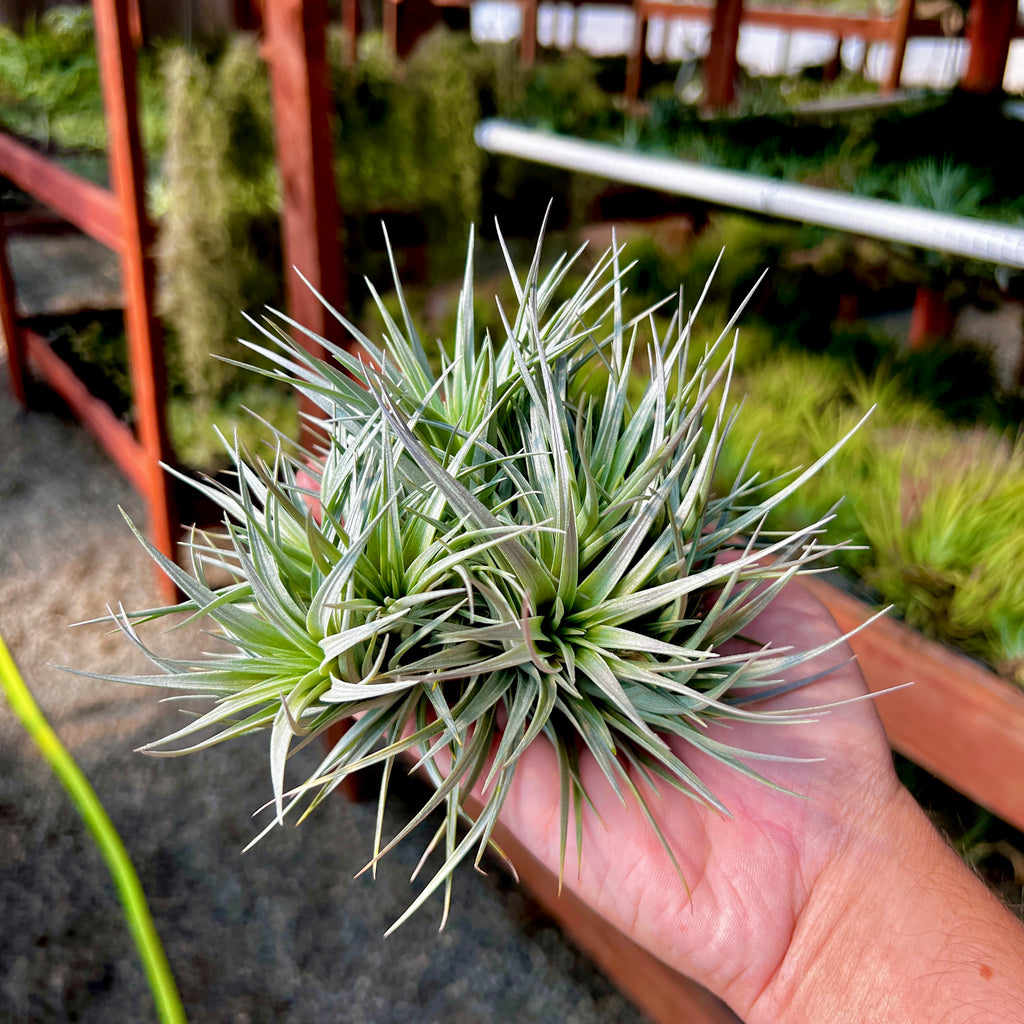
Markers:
92,209
958,721
115,437
117,218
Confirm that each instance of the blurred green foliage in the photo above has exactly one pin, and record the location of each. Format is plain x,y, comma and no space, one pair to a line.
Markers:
50,87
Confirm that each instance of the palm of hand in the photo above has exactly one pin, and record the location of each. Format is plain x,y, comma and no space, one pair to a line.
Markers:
749,876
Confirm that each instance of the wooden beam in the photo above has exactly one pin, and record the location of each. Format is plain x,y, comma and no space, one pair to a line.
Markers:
9,325
295,50
721,65
637,56
931,321
958,721
89,207
145,343
900,32
528,35
116,439
389,19
350,23
846,26
991,24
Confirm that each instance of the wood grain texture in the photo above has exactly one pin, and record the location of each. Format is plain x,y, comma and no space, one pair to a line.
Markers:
89,207
294,47
958,721
115,437
145,342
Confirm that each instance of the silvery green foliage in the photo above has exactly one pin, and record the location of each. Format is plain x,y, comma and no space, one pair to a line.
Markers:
516,539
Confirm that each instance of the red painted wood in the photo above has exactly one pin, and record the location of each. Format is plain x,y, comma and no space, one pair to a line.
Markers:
89,207
931,320
959,721
528,37
116,438
990,26
8,324
136,30
834,65
900,32
721,65
877,30
145,344
350,23
389,19
295,51
637,55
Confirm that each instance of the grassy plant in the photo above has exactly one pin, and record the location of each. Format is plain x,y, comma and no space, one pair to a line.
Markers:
943,186
242,414
133,899
797,404
219,179
937,507
507,539
943,520
50,85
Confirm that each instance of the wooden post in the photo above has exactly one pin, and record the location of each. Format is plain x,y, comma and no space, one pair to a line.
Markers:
528,38
931,320
834,65
637,56
720,65
350,23
390,25
145,345
990,27
9,324
900,32
295,50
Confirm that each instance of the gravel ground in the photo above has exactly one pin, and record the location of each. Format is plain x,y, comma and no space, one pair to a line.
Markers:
282,934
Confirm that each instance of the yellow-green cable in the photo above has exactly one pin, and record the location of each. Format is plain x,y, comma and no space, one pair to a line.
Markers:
154,960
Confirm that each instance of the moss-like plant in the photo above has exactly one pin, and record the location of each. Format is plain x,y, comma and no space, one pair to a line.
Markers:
943,519
219,180
936,507
499,552
50,84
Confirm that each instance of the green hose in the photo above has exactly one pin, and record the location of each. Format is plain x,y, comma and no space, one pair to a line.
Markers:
154,960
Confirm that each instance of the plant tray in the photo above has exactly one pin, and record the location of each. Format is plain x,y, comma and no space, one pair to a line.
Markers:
959,721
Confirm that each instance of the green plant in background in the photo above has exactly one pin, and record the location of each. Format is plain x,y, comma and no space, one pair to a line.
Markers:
109,843
404,136
943,186
219,178
943,518
50,87
936,507
506,539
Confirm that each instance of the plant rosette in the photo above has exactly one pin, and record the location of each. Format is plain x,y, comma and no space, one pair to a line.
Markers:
511,546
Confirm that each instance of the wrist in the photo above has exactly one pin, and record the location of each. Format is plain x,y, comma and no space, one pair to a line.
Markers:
896,928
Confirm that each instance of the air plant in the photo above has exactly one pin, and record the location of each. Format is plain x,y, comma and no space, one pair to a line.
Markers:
496,545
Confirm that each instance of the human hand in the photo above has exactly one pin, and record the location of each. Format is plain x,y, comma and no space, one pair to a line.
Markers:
749,876
835,901
828,899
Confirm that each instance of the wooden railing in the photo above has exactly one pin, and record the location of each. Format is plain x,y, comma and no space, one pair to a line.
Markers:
116,217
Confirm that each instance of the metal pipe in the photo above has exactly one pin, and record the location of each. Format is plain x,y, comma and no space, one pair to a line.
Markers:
959,236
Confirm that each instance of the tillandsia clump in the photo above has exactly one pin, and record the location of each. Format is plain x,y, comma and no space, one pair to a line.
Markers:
508,542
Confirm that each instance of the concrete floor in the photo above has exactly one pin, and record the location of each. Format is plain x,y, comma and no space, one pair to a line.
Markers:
283,934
